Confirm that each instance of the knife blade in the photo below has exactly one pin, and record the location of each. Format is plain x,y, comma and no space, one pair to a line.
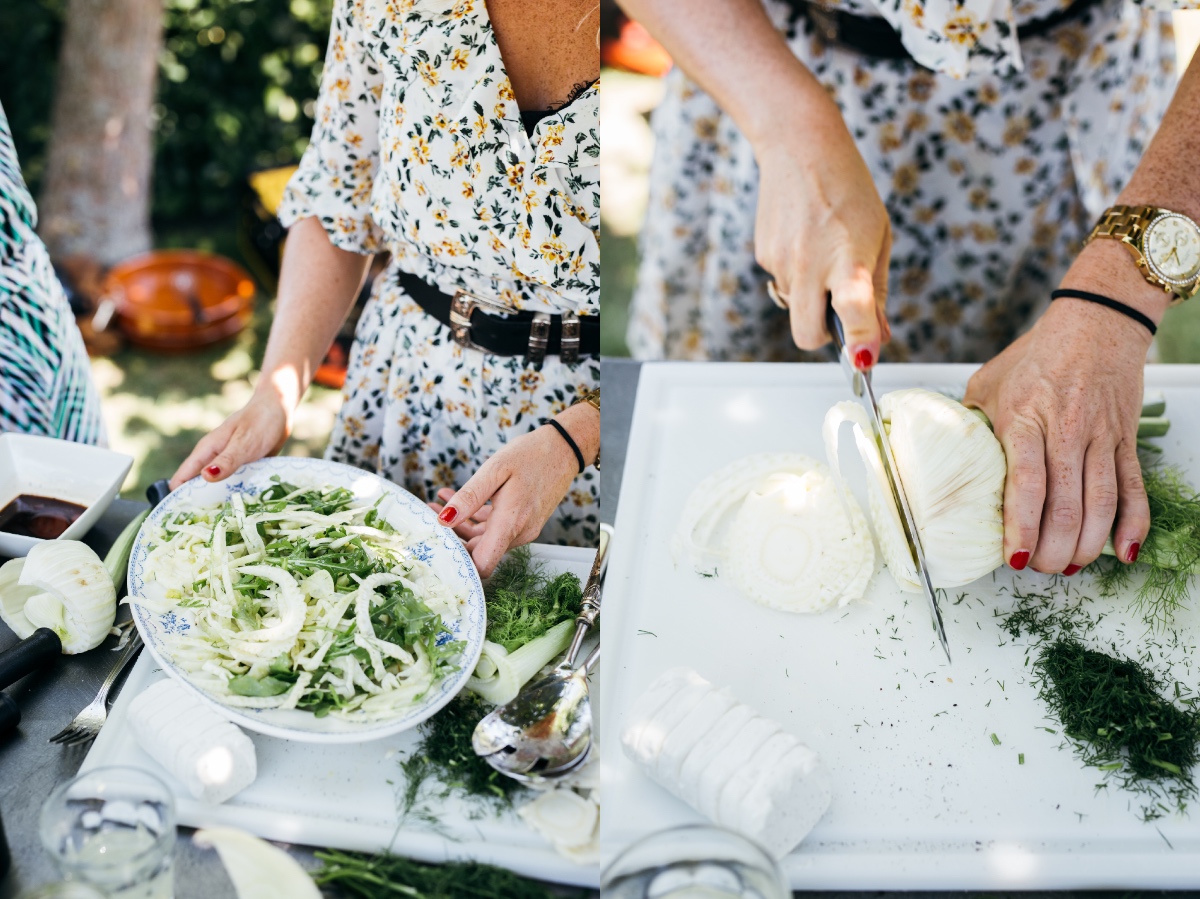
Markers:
860,384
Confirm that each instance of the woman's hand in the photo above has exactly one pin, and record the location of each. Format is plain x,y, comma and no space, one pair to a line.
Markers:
822,231
514,493
1064,400
260,428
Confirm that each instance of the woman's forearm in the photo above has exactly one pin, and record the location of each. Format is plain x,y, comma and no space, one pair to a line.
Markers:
318,284
1167,176
731,49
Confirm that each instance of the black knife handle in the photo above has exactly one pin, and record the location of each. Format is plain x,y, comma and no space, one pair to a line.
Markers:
36,650
158,491
834,325
10,717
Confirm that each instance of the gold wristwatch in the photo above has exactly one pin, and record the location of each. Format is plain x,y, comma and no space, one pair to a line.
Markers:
1165,244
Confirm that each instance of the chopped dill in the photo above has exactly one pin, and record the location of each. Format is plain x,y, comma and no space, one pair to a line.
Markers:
380,876
445,752
1111,709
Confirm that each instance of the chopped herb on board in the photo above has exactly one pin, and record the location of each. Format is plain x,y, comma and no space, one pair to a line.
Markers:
445,752
1111,709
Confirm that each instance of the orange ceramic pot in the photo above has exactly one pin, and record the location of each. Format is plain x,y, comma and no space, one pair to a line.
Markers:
180,299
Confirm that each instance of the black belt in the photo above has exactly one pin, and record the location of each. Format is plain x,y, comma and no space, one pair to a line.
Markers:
874,36
480,323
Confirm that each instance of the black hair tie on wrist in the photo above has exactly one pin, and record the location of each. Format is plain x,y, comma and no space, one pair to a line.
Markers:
1127,311
570,442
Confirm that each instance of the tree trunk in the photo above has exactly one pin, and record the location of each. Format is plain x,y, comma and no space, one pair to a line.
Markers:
96,196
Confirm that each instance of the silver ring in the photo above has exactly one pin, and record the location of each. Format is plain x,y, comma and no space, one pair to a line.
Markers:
776,297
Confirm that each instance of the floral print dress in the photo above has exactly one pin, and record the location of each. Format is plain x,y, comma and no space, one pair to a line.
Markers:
419,149
993,158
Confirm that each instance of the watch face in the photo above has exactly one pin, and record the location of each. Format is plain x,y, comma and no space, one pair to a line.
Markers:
1172,248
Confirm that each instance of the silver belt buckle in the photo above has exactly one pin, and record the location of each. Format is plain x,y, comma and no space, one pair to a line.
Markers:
569,350
462,304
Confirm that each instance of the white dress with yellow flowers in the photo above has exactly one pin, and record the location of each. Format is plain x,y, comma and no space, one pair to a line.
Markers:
993,156
419,149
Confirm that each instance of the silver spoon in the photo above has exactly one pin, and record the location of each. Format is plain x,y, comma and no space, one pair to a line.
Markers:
546,731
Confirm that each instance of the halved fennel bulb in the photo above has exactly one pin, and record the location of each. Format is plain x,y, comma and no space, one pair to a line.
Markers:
789,541
62,585
952,469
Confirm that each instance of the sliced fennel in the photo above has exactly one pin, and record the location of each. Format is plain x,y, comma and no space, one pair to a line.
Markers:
258,869
775,525
952,469
300,599
500,674
531,617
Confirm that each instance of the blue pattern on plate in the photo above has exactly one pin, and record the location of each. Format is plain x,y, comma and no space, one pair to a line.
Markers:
441,549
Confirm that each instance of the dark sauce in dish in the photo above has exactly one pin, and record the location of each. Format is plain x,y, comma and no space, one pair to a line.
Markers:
38,516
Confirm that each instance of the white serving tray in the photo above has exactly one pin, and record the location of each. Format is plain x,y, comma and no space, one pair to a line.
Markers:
923,799
345,796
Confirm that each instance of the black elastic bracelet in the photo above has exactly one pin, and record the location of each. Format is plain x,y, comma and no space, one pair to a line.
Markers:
570,442
1111,304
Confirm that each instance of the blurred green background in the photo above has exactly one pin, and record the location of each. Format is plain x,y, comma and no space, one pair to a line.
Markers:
237,80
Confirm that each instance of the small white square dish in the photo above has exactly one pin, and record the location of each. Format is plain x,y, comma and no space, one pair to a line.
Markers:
45,467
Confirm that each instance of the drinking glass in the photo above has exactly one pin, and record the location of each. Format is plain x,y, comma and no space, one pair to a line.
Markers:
66,889
697,861
114,829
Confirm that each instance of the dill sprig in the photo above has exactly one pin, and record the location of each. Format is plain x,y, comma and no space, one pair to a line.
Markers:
1171,552
523,602
391,876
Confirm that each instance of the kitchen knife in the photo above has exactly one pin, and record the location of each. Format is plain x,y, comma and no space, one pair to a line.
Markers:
860,383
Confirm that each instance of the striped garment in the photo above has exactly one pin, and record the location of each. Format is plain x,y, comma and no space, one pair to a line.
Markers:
45,381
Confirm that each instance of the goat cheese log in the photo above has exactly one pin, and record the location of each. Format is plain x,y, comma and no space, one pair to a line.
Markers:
209,755
734,766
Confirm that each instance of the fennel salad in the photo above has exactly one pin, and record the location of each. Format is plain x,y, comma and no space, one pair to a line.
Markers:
300,599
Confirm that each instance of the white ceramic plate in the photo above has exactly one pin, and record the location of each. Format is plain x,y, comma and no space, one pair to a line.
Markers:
435,545
46,466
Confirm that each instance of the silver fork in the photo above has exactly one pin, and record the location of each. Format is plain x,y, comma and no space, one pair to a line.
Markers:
84,727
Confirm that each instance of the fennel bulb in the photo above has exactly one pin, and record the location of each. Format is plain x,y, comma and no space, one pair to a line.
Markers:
773,523
952,469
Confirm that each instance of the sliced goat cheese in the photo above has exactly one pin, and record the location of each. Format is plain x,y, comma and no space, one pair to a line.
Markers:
719,736
729,761
786,803
736,767
655,731
650,703
684,737
211,757
761,763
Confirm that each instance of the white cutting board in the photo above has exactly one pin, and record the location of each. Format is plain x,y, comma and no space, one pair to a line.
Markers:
345,796
923,799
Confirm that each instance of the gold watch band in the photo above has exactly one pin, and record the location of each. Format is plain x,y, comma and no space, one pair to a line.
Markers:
592,397
1128,225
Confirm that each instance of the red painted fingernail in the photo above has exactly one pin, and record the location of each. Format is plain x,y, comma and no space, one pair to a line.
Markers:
1132,553
448,515
212,471
1072,569
863,359
1019,560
